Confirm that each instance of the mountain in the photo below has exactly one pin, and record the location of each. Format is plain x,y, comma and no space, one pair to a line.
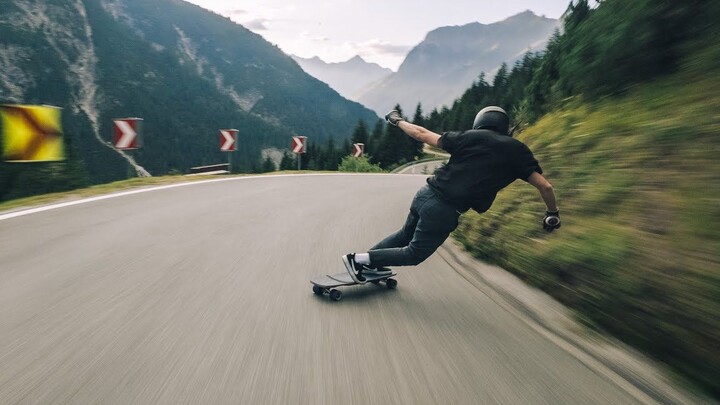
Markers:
349,78
187,71
449,59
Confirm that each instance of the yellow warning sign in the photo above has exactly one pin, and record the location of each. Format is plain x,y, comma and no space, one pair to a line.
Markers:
31,133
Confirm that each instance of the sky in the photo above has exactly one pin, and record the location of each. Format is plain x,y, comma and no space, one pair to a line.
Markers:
380,31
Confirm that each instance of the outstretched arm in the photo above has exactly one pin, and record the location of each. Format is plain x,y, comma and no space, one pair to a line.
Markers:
420,133
414,131
546,190
551,221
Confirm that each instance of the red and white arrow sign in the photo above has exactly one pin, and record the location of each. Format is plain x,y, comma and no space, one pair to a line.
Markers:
358,149
298,144
228,138
126,133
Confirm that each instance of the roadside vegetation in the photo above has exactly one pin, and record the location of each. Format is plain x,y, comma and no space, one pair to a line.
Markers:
358,165
629,139
638,185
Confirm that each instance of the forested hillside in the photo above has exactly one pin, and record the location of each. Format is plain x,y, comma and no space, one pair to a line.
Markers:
186,71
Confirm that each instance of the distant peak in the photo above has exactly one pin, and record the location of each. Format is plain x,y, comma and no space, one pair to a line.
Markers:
355,59
524,16
527,14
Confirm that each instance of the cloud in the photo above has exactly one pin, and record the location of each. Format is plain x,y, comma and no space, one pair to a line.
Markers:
257,24
386,48
378,47
304,35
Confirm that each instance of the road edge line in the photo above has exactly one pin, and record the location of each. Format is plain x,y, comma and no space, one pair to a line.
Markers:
52,206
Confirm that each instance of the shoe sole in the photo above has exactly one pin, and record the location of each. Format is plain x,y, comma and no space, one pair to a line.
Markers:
369,271
379,274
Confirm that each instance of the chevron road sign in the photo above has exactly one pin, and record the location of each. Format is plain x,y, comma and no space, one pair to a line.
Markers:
31,133
358,149
228,139
127,133
298,144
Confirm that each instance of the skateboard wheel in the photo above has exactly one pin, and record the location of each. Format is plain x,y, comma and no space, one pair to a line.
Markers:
391,283
317,290
335,295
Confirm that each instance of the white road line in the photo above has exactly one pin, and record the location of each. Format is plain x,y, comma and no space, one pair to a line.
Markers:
44,208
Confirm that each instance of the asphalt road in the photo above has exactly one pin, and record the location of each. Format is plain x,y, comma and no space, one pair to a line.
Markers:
200,294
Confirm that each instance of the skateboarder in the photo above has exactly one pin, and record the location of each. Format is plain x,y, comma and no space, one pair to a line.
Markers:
483,161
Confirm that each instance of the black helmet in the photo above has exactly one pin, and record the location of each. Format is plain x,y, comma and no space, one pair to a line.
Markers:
494,118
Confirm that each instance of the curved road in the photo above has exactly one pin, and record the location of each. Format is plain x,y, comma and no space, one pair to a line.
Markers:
200,294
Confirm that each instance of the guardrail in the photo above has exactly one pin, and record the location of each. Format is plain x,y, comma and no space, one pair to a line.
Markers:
415,162
222,168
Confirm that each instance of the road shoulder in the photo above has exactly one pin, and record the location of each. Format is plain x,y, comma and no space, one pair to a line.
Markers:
634,373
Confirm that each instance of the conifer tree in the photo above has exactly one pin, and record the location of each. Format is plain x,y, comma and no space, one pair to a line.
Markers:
268,165
287,162
418,119
360,134
390,152
375,141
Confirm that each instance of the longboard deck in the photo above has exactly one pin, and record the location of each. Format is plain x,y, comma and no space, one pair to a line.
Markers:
341,279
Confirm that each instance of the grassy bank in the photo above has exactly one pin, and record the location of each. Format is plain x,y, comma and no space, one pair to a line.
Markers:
638,182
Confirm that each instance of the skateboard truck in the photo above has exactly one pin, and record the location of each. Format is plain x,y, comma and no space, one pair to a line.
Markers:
325,284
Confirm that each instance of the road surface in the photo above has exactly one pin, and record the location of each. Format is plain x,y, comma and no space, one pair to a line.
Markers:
200,295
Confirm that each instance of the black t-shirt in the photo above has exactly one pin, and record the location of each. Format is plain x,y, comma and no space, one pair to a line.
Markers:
482,162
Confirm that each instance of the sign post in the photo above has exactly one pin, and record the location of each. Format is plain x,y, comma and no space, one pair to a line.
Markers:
228,140
298,146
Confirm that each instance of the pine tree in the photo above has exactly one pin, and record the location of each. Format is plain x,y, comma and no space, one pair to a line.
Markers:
375,141
417,150
268,165
500,83
328,159
287,162
434,121
360,134
392,151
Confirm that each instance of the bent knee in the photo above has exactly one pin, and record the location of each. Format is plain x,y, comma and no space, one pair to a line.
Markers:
418,256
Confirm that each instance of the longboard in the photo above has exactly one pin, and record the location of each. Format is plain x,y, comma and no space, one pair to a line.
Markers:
325,284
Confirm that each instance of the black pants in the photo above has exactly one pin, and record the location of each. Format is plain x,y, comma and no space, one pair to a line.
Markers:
428,224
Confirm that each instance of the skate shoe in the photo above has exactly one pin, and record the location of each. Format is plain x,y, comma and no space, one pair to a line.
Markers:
354,269
376,271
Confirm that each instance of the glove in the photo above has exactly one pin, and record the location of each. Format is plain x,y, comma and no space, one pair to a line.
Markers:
551,221
393,117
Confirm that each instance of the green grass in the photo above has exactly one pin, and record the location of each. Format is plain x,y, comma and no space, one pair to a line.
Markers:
638,185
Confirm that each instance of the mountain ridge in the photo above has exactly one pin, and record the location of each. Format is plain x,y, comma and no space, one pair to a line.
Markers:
450,58
187,71
347,77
